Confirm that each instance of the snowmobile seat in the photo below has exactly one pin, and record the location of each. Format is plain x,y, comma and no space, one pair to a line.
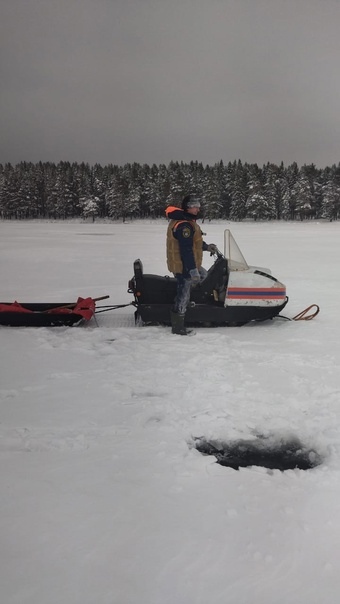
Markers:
158,290
154,289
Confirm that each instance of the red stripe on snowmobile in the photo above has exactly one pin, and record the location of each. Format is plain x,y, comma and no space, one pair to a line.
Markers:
255,292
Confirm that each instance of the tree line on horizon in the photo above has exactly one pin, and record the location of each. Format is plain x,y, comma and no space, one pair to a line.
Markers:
235,191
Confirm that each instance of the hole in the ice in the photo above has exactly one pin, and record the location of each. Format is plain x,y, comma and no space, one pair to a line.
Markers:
279,454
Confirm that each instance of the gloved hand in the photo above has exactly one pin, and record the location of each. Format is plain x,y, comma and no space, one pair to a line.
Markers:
212,248
194,276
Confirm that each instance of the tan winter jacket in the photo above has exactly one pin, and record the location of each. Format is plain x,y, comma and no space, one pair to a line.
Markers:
174,261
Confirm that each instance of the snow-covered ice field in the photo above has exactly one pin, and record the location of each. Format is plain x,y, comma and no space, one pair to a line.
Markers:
102,499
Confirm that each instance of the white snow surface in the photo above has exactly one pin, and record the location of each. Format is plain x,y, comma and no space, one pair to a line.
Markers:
103,498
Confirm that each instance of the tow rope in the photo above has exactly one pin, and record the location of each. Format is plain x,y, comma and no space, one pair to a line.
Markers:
303,316
114,307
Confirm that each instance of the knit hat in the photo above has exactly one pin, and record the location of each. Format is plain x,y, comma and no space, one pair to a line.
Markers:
190,201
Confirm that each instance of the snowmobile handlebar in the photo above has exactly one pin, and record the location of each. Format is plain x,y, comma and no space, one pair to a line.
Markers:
217,253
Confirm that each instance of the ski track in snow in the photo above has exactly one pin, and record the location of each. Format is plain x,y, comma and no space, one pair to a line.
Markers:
105,500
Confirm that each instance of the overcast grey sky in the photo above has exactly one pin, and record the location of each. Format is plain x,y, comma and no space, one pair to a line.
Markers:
116,81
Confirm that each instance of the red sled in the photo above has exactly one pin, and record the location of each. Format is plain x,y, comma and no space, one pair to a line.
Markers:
49,314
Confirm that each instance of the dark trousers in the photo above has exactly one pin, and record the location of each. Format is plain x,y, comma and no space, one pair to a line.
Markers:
183,291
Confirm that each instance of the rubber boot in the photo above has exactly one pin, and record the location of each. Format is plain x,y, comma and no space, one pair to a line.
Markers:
177,324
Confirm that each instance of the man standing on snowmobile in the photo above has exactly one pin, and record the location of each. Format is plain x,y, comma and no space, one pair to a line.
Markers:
184,250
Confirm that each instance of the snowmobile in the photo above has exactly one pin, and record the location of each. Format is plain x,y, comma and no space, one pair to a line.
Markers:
232,293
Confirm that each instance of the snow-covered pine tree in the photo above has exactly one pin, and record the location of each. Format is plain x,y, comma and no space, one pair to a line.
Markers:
289,181
304,195
90,207
330,207
116,196
239,191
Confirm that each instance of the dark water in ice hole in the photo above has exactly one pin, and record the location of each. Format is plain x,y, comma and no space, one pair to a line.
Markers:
279,454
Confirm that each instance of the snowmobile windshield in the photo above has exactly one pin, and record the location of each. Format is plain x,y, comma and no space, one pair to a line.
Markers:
236,260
